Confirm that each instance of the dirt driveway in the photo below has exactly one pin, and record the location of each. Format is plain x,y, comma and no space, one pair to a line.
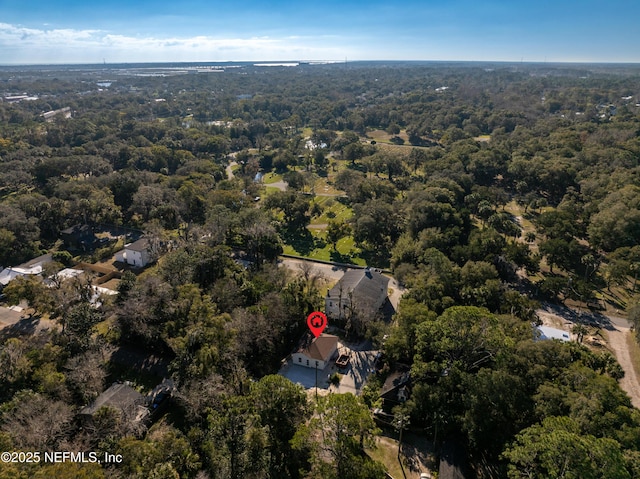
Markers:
618,345
617,331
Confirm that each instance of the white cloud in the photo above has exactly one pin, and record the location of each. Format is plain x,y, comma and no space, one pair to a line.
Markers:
28,45
11,35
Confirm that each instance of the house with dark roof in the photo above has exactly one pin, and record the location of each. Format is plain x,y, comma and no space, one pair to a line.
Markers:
362,290
121,397
79,237
395,390
317,353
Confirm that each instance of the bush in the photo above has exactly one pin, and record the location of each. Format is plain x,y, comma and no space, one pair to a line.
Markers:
63,257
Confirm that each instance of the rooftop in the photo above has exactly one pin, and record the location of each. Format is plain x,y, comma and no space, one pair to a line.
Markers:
141,245
321,347
120,396
394,381
31,267
547,332
365,284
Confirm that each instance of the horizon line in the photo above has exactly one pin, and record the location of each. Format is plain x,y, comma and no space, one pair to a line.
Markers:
321,62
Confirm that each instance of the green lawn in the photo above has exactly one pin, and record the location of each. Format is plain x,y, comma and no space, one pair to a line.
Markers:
387,453
314,246
333,211
268,190
416,455
271,178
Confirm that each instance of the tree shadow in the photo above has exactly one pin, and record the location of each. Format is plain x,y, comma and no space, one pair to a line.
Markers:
343,200
24,327
357,166
379,258
301,240
338,257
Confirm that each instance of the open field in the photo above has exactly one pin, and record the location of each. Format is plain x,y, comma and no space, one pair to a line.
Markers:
381,136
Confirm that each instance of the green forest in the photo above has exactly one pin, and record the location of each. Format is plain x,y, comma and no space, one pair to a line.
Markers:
488,191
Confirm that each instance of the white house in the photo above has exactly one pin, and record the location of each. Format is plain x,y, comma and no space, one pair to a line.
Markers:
360,290
318,353
135,254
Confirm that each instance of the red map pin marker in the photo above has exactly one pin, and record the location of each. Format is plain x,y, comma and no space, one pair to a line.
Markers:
317,321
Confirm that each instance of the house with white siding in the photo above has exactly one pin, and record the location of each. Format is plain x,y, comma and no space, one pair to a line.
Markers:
317,353
136,254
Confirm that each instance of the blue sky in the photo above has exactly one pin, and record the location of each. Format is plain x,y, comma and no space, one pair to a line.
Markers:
74,31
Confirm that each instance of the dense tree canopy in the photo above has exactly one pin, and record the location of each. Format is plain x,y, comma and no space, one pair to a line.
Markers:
513,184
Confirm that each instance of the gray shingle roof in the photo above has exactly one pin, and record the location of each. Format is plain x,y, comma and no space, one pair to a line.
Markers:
366,285
119,396
141,245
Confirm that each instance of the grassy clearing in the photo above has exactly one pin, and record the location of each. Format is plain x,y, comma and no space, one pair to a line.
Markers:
269,190
322,186
381,136
386,453
527,226
333,210
313,245
102,328
271,178
416,455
